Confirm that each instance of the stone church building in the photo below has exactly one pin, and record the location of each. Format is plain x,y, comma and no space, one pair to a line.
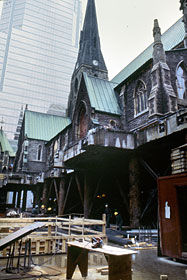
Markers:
118,135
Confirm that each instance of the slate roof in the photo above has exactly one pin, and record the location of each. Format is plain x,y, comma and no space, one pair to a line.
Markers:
102,95
5,145
171,38
42,126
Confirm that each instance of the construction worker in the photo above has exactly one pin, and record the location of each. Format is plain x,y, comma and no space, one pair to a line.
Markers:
108,215
119,220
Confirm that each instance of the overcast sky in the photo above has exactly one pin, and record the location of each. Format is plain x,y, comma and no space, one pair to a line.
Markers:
125,27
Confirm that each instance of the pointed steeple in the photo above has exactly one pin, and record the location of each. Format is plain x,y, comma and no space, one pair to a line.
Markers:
90,50
90,58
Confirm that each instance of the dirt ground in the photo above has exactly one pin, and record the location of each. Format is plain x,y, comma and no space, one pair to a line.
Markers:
145,265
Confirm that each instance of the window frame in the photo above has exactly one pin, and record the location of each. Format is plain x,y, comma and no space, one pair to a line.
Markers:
39,150
181,65
138,101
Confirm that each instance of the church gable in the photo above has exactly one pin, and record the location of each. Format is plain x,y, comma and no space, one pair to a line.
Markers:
97,105
102,95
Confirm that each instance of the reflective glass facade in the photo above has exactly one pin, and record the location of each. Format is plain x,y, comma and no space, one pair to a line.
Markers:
38,51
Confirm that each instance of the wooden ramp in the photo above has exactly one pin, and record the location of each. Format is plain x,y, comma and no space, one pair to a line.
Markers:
15,236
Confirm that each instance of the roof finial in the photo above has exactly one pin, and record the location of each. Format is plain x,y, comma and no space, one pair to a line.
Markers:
156,32
158,50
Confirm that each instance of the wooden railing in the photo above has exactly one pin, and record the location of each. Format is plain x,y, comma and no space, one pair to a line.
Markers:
52,238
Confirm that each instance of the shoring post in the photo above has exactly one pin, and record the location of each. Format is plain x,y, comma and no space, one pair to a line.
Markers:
104,224
69,229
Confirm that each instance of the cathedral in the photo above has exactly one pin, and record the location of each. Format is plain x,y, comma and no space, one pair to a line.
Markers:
118,135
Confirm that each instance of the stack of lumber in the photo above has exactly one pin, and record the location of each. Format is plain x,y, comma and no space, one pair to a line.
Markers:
179,159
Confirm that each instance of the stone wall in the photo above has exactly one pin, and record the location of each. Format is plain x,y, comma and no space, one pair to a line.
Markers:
134,120
35,165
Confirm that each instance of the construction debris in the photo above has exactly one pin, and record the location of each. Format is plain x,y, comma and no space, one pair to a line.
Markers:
141,246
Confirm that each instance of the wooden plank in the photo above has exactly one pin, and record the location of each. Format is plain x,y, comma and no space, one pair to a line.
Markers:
102,268
37,247
13,237
79,229
106,249
173,157
46,247
46,219
179,171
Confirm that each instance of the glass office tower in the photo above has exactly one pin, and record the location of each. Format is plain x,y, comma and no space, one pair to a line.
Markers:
38,50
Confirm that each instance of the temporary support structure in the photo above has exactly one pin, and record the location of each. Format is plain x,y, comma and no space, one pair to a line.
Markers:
53,237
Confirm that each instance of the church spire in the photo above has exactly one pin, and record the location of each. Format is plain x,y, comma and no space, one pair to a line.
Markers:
90,59
90,54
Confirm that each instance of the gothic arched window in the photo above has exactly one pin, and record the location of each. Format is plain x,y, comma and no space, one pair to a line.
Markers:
55,148
39,154
140,97
82,122
181,80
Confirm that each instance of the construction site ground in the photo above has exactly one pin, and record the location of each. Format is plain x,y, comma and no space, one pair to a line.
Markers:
145,266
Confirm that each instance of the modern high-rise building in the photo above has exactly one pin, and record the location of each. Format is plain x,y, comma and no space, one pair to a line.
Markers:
38,50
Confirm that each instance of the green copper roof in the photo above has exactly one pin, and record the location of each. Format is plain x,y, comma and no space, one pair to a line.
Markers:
102,95
171,38
42,126
5,145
